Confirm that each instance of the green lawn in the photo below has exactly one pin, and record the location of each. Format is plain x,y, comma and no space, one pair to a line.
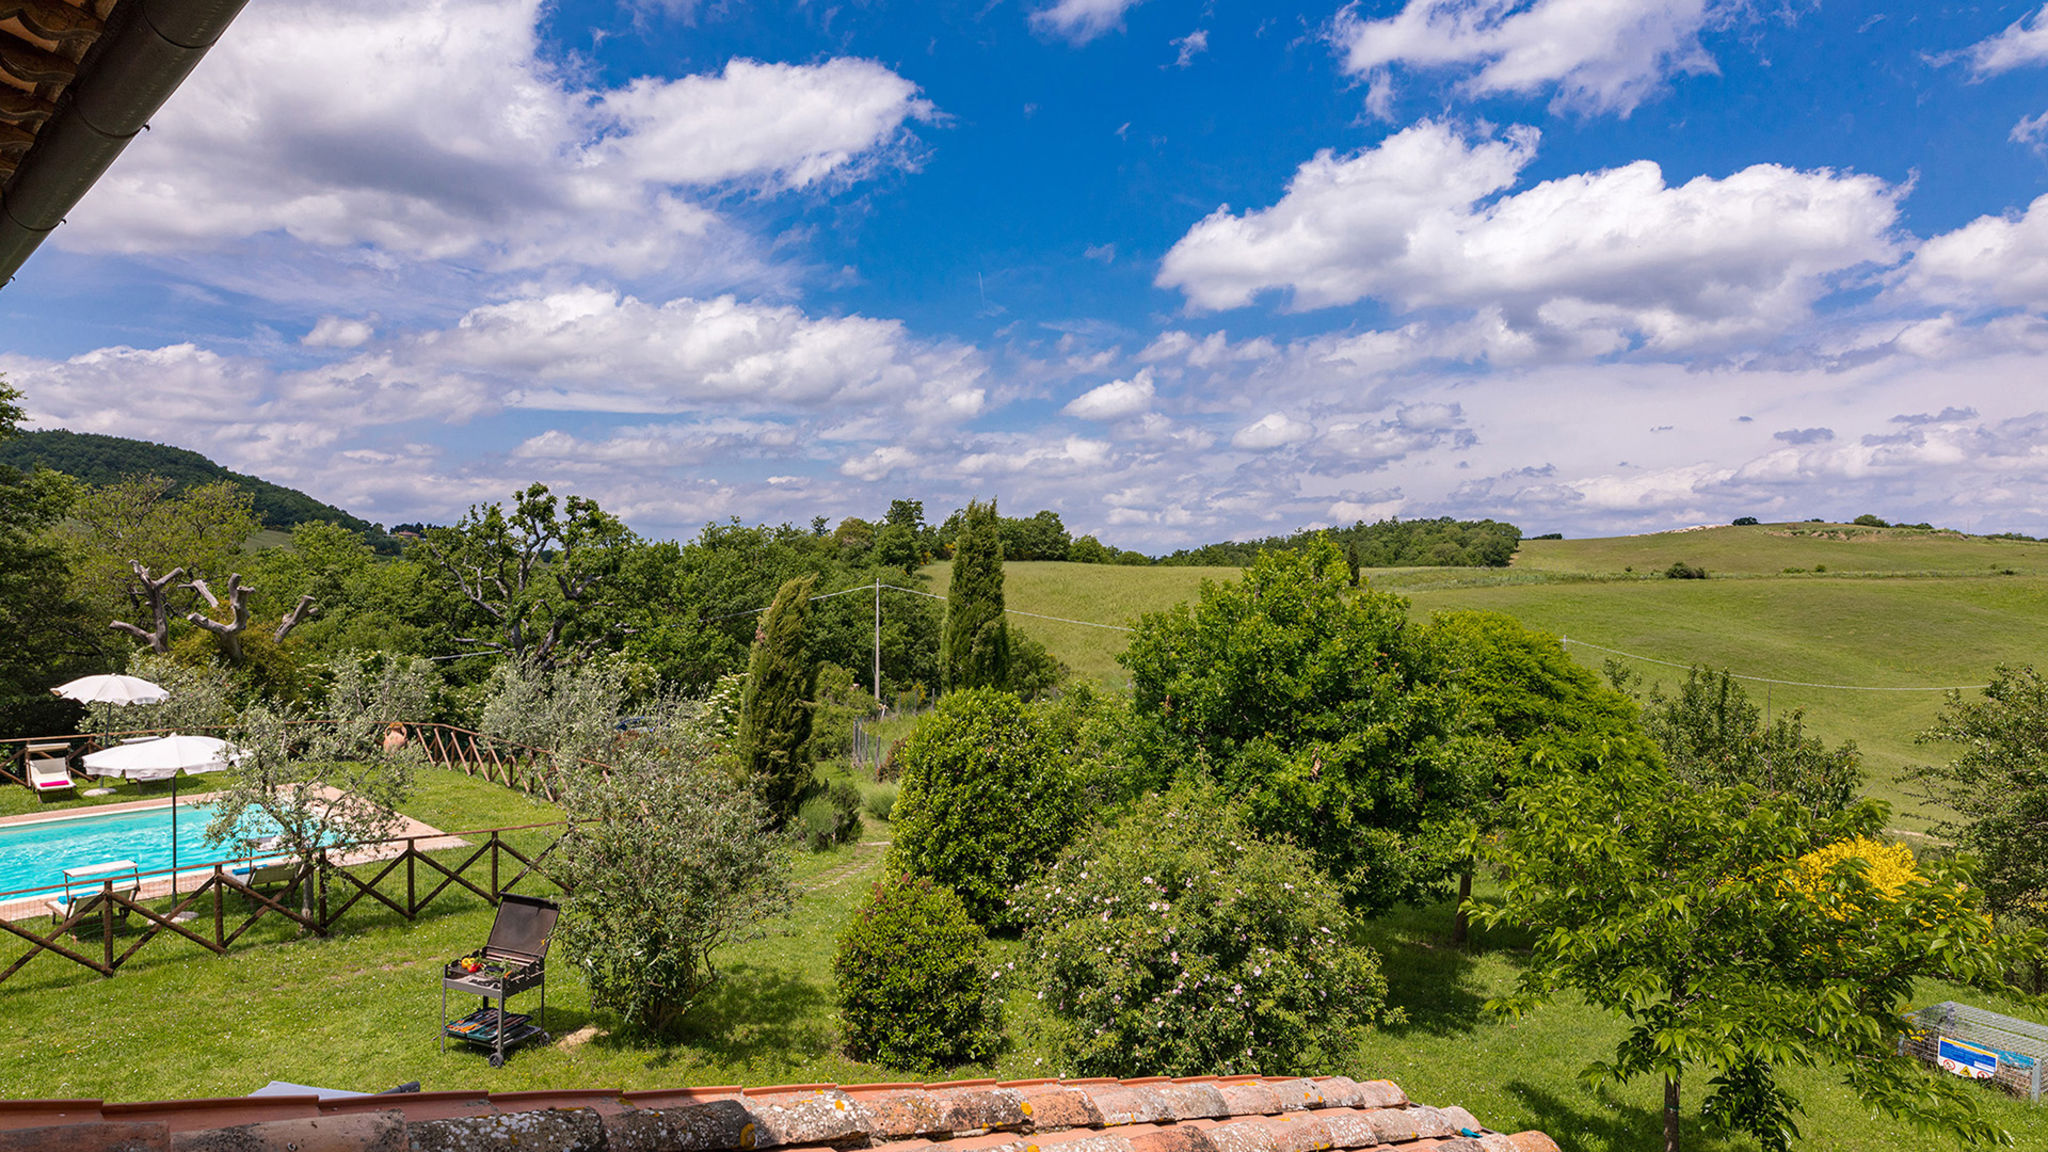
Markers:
359,1010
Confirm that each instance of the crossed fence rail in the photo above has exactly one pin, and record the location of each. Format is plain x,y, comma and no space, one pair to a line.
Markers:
315,911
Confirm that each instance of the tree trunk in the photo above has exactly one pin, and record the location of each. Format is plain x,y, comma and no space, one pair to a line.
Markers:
156,597
1671,1112
1461,920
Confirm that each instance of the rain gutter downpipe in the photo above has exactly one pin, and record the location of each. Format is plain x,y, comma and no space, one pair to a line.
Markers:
125,77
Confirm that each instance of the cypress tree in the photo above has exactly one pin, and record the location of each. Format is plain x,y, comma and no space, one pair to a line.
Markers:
976,651
775,709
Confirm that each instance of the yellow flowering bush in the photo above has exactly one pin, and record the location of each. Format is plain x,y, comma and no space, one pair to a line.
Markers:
1887,868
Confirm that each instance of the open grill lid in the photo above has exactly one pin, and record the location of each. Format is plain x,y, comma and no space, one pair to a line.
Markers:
523,926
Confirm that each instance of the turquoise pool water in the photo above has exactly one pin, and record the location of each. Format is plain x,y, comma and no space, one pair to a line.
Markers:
35,855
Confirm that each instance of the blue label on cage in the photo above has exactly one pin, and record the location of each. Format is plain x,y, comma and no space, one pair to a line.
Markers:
1967,1059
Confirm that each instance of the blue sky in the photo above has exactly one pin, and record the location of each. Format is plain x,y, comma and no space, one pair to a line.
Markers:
1180,271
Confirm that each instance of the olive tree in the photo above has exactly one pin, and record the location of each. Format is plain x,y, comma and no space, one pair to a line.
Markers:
666,861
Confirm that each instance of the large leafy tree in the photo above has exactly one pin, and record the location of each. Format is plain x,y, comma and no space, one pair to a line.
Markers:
1997,787
1523,708
1712,734
775,712
540,582
977,640
1319,710
1738,934
41,637
139,551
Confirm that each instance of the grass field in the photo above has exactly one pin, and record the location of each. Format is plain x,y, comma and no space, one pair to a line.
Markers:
359,1011
1890,609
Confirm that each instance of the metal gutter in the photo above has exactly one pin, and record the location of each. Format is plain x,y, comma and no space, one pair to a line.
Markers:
150,46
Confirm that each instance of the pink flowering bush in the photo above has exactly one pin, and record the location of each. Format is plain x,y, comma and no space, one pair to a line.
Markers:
1178,943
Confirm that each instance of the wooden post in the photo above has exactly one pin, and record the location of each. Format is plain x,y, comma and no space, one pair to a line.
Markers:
411,894
318,879
107,921
219,921
494,866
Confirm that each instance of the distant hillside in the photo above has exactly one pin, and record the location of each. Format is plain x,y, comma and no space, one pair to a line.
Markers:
1386,544
98,459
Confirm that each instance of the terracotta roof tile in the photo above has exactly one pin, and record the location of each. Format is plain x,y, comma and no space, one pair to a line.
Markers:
971,1105
220,1112
353,1132
39,1113
1154,1114
95,1134
545,1130
1050,1104
715,1125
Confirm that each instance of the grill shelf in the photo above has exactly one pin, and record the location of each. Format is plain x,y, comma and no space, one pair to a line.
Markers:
514,961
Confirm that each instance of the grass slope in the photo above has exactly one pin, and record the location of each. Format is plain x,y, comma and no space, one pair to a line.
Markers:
1891,608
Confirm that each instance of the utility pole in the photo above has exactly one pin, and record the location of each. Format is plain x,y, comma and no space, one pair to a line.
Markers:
879,709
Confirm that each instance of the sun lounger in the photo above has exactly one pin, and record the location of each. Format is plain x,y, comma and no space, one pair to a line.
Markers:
258,871
49,767
84,887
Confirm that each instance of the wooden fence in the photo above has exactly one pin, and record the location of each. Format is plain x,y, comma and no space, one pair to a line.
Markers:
522,767
319,914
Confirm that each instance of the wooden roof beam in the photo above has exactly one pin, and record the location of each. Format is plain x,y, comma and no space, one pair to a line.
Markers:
24,107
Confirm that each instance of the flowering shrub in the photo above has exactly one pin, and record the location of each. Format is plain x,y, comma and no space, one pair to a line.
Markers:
915,989
1176,942
1886,869
987,797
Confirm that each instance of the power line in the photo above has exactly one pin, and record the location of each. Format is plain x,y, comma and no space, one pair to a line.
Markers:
1767,680
929,595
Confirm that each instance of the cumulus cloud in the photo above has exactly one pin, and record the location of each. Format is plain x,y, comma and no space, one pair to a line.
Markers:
1993,261
594,349
1115,400
1273,430
435,131
1618,254
338,332
2023,44
1079,21
1598,55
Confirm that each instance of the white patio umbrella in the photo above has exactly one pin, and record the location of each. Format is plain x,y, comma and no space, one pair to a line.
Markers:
112,689
164,758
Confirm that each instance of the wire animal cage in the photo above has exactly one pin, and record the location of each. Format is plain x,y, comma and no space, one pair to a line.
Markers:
1983,1045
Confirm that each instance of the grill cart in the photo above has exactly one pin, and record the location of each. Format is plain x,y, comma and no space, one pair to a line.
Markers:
514,961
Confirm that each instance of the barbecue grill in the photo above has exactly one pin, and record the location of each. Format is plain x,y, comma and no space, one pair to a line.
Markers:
514,961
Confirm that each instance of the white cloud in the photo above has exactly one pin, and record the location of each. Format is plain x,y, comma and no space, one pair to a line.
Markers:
337,332
435,131
1080,21
2023,44
1273,430
1616,255
792,124
1115,400
1191,45
1992,261
1599,55
596,350
2031,132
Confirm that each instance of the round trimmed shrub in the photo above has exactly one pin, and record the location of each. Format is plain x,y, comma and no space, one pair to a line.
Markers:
987,798
913,978
1177,943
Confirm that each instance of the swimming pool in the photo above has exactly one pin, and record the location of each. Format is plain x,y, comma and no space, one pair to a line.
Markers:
34,855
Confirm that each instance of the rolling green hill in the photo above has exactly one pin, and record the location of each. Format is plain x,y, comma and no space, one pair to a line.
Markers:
98,459
1891,609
